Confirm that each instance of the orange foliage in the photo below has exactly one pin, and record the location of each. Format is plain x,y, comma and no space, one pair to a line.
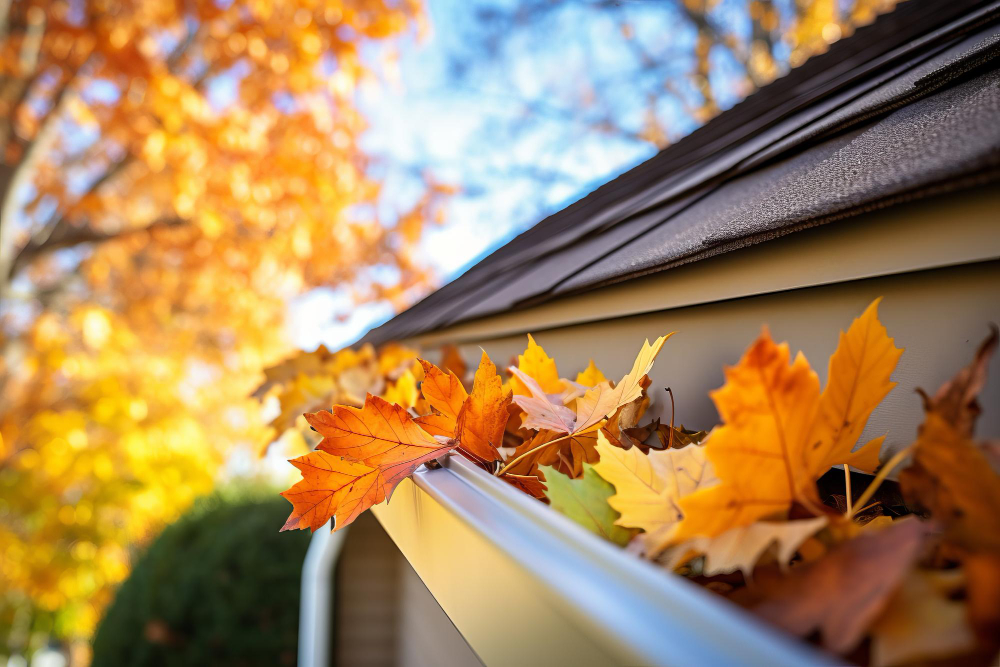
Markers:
154,227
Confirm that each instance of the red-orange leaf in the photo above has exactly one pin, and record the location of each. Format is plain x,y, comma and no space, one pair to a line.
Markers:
380,435
445,393
331,486
437,424
483,418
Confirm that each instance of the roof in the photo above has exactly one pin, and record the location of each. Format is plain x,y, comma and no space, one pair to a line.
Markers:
906,107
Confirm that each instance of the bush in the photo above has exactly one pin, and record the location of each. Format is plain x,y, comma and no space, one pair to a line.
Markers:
220,586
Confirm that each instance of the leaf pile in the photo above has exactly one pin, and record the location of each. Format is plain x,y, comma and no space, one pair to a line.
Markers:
896,574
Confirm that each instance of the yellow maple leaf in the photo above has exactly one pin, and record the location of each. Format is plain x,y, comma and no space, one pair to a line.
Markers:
602,400
536,364
545,411
779,434
403,391
590,376
303,394
858,380
740,548
648,487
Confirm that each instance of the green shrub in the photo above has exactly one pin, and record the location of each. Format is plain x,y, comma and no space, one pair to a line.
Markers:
220,586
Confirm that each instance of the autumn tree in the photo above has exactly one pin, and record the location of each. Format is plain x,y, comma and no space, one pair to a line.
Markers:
171,173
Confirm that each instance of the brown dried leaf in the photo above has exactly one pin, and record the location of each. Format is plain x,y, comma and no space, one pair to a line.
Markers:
957,400
842,593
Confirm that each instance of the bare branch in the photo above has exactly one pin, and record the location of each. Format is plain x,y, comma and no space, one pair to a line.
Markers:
68,237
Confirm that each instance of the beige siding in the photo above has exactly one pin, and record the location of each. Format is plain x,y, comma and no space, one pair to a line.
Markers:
384,615
939,316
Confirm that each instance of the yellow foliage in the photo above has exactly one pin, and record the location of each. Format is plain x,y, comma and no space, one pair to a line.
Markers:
126,372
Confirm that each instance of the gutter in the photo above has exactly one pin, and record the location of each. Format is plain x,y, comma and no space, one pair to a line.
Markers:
524,585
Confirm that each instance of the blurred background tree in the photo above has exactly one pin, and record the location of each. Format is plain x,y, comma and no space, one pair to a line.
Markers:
171,174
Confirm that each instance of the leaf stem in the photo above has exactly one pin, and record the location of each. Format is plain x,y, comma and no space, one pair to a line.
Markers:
880,477
847,486
670,435
517,458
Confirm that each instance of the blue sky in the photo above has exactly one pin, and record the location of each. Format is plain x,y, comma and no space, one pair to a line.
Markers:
515,122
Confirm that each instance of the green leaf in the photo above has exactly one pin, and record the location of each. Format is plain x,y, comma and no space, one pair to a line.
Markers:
585,501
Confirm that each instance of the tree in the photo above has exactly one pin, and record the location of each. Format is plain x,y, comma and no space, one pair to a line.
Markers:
171,173
572,92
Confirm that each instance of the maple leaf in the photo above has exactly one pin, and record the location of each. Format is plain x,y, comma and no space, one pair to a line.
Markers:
585,501
380,435
543,411
331,486
529,484
779,435
950,476
601,401
857,381
590,376
394,360
681,437
443,392
622,428
403,391
483,418
649,486
952,479
842,593
303,363
539,366
546,411
303,394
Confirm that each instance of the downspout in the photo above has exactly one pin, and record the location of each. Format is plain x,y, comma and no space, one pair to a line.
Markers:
316,606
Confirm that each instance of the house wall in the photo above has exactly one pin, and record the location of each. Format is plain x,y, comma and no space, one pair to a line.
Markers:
384,616
938,316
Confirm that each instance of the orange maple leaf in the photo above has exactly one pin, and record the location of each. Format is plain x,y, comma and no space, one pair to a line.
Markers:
779,434
378,445
445,393
483,417
331,486
380,435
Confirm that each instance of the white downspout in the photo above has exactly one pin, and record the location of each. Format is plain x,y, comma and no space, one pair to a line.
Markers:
316,606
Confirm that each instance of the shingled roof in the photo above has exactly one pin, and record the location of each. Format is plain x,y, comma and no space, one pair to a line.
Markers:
906,107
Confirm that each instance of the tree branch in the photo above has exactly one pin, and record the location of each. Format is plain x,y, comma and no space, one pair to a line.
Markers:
68,237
